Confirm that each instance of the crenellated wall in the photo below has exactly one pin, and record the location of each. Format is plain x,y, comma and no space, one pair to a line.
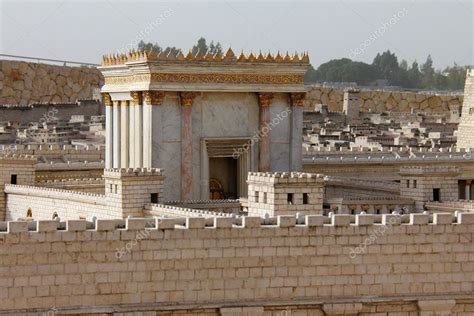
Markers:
380,100
377,265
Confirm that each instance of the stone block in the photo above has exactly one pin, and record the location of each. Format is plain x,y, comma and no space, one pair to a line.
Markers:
17,227
106,224
341,220
364,219
251,221
166,223
419,219
442,218
466,218
314,220
76,225
135,223
223,222
391,219
286,221
47,226
195,222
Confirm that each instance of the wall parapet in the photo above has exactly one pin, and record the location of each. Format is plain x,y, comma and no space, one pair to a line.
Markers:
226,221
34,191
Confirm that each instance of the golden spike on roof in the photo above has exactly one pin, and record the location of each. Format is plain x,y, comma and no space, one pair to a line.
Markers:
251,57
241,56
295,58
229,55
260,57
218,56
170,55
152,55
189,56
269,57
305,58
198,56
161,55
287,57
208,56
180,55
278,57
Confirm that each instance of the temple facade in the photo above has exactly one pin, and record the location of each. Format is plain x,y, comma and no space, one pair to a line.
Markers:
207,120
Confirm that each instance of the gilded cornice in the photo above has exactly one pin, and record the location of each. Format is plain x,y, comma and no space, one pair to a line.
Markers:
228,57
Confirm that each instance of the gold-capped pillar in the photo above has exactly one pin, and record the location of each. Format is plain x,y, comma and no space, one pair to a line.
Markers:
264,100
151,98
134,126
187,99
116,134
108,130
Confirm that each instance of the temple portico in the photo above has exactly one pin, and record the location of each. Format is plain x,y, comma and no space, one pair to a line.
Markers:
192,115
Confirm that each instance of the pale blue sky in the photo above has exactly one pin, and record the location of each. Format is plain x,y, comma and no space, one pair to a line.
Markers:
85,30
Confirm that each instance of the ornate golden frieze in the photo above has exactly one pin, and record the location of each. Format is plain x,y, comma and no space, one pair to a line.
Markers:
297,99
207,78
187,98
228,57
265,99
153,97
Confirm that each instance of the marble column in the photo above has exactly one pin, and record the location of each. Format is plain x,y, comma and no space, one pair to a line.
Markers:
124,134
136,100
264,100
151,99
108,131
116,136
139,136
187,99
296,131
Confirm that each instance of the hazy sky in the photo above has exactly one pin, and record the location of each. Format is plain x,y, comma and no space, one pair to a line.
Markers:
85,30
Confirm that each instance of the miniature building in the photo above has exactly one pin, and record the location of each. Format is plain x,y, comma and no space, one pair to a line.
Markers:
193,114
285,193
351,105
425,183
465,136
129,190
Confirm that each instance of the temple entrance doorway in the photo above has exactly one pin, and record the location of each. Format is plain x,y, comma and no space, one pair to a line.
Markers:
222,178
225,163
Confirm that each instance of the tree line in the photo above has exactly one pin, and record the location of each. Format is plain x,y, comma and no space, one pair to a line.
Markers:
384,67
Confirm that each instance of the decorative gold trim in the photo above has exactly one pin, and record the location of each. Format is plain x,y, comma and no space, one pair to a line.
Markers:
297,99
265,99
208,78
153,97
107,99
136,97
187,98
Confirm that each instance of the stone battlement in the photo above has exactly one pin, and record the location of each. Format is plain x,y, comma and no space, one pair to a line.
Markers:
132,172
225,221
284,177
30,190
15,156
177,211
51,147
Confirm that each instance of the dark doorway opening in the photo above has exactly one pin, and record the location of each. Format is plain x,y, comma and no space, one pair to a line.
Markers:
436,195
222,178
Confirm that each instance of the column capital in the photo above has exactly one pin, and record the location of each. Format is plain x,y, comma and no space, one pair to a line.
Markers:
116,103
125,102
136,97
107,99
265,99
297,99
187,98
153,97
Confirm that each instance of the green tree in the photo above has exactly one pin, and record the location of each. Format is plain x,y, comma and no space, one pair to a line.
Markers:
428,73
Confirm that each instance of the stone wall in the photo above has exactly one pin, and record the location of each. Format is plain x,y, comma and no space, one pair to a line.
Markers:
411,269
379,100
25,82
